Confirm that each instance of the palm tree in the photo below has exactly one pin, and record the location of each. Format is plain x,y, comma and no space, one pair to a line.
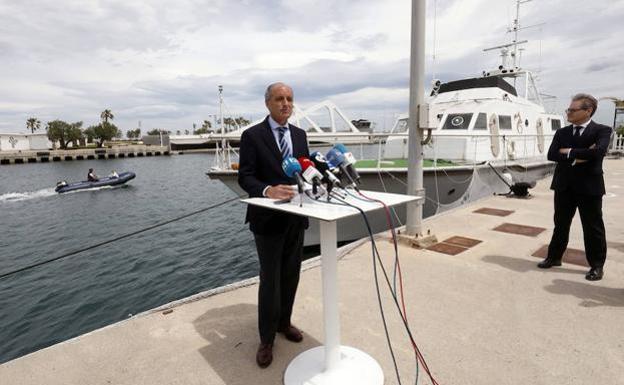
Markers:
33,124
107,114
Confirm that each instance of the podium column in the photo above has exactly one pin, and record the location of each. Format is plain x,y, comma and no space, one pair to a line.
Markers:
332,364
329,267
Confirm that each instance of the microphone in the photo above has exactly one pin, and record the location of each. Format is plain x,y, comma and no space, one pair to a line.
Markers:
310,173
292,169
321,164
336,159
350,160
329,178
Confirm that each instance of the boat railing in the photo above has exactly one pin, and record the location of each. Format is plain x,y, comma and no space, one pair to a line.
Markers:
451,148
618,143
461,149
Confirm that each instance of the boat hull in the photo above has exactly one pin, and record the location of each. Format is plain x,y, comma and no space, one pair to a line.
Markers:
445,188
107,181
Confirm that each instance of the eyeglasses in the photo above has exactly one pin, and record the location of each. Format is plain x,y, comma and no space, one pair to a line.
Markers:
570,110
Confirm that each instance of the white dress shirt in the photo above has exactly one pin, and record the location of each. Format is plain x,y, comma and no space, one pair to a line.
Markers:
275,129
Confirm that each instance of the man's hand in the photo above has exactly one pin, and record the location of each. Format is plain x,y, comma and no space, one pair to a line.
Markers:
280,191
583,160
564,150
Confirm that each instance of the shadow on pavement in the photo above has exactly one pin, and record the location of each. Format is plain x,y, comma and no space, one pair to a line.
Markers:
591,294
232,339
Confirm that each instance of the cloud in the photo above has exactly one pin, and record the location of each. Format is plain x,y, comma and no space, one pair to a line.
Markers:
597,67
162,64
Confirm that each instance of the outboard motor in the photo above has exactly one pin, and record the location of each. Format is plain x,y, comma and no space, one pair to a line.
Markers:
60,185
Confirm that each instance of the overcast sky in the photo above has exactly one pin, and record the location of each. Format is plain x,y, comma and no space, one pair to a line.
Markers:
160,62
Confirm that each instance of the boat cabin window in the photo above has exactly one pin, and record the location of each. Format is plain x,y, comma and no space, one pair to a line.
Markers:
481,122
504,122
556,124
457,122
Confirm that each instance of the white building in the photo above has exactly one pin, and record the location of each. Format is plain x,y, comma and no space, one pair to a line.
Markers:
24,142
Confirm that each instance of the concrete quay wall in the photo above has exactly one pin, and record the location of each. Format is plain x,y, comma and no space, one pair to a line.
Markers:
39,156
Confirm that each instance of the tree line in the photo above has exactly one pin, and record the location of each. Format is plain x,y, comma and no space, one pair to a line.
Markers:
65,133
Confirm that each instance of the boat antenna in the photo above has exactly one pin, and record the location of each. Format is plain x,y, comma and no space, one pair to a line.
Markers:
435,24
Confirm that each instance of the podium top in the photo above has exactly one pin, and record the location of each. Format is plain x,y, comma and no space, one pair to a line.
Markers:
320,209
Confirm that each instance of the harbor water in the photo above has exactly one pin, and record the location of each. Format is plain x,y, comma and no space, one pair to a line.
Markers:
74,295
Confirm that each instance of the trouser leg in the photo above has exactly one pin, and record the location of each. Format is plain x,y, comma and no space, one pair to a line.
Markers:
590,210
291,268
269,249
565,208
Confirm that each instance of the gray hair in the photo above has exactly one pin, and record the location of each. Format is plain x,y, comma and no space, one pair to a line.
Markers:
267,93
587,101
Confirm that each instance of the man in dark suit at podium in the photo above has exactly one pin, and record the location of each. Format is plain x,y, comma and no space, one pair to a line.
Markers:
278,235
578,150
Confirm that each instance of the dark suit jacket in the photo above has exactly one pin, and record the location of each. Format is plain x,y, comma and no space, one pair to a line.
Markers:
582,178
261,166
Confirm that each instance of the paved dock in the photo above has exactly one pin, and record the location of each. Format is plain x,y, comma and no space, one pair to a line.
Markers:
486,315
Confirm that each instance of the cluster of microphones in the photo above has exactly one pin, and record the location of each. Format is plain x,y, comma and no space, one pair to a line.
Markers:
323,172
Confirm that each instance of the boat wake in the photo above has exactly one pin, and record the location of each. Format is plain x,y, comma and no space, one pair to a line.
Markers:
98,188
28,195
46,192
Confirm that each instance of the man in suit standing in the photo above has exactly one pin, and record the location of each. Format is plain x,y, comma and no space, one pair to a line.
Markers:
578,150
278,235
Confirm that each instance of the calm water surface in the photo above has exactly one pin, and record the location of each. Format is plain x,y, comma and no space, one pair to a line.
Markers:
66,298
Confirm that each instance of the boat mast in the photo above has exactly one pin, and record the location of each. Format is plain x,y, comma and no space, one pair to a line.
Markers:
413,224
515,28
222,157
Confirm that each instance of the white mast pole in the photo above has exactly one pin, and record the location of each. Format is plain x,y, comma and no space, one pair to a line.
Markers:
417,91
516,25
222,157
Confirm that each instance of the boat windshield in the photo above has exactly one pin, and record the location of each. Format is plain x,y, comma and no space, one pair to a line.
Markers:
481,122
457,121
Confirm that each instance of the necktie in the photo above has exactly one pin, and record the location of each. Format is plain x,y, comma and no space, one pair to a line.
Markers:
283,145
577,131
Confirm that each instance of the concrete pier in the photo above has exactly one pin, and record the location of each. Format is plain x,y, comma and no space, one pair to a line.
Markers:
22,157
480,311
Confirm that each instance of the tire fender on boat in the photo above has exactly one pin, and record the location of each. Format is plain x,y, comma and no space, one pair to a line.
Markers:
539,127
519,124
494,135
511,149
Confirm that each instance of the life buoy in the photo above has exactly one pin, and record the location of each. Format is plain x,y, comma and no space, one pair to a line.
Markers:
539,127
494,135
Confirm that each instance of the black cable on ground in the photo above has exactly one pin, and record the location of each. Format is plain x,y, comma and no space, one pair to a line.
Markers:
383,317
3,275
394,297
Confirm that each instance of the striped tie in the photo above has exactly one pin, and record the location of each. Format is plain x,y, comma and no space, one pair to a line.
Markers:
283,145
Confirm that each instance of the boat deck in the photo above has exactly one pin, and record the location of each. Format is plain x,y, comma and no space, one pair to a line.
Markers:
486,315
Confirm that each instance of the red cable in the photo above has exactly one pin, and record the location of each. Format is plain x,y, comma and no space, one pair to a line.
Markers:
419,355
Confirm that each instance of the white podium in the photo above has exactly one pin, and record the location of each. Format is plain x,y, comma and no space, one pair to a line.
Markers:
332,363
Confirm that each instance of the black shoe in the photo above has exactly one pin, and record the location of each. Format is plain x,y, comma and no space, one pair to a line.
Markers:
264,356
548,263
594,274
292,333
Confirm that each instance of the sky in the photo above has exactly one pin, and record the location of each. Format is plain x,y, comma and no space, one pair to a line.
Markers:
158,63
